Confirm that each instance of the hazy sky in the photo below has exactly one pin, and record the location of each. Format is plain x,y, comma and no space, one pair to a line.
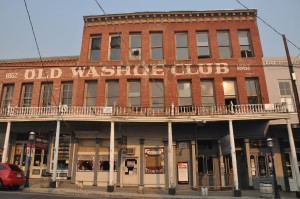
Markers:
58,24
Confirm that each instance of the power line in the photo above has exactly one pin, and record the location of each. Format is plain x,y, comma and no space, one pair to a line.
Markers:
269,26
40,58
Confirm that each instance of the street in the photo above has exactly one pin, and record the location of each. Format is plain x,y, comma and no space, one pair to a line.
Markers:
8,194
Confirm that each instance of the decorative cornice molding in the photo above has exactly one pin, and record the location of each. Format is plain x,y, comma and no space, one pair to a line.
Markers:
171,17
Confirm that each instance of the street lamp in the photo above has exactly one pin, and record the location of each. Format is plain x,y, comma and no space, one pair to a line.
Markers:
31,139
270,144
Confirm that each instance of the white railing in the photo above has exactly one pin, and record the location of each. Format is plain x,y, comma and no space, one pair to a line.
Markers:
142,111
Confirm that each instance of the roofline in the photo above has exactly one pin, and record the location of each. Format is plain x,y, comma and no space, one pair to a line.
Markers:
254,11
36,59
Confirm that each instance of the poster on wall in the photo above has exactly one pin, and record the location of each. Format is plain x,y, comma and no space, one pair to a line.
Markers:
183,173
154,161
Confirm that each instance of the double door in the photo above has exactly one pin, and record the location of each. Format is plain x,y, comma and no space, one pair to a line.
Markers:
38,163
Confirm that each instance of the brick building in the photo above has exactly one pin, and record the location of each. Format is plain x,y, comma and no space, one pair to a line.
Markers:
155,99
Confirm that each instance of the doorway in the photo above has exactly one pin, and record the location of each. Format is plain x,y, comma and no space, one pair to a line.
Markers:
130,172
242,169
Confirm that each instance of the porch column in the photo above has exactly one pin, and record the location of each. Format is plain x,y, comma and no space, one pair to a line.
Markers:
172,190
249,166
96,163
294,155
5,151
194,164
222,165
236,191
110,186
70,165
56,146
74,164
142,165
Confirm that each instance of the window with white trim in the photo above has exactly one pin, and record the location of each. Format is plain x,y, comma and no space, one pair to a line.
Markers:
245,43
286,95
135,52
203,45
7,95
156,46
95,48
224,44
182,49
115,47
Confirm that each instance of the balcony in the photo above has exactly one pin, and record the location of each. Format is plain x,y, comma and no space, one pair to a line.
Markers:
250,110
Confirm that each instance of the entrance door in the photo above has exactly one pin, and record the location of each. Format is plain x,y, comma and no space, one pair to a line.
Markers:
242,169
130,172
291,172
39,162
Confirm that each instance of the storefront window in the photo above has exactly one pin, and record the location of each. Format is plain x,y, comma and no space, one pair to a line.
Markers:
63,152
37,157
210,165
262,167
228,164
253,167
154,161
201,165
104,163
18,154
85,163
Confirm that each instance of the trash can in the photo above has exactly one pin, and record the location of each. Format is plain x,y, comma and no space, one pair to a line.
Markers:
266,190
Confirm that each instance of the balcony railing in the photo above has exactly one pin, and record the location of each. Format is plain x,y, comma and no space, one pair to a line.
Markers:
170,111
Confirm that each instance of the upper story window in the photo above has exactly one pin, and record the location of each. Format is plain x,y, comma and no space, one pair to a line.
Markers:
203,45
90,93
115,47
26,96
230,91
7,95
185,93
157,93
46,94
245,43
112,92
207,92
253,91
66,95
182,50
224,44
95,51
135,46
134,93
156,46
286,95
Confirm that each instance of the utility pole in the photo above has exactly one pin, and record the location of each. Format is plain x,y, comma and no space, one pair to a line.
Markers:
295,90
293,78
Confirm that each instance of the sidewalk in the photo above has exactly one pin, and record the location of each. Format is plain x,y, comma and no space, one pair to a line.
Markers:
67,188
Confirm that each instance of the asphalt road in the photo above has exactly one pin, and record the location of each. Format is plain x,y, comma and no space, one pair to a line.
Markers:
7,194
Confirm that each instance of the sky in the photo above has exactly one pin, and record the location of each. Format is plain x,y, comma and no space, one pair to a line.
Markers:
58,24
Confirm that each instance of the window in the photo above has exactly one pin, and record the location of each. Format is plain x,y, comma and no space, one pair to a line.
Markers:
7,95
253,91
135,46
157,93
95,51
182,50
201,165
112,93
245,43
262,166
27,90
156,46
134,93
154,161
46,94
229,87
115,47
224,44
63,151
90,93
228,164
205,165
203,45
104,163
207,92
185,93
85,163
286,95
66,96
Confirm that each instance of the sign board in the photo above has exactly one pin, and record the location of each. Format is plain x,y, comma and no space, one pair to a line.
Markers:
183,173
225,145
